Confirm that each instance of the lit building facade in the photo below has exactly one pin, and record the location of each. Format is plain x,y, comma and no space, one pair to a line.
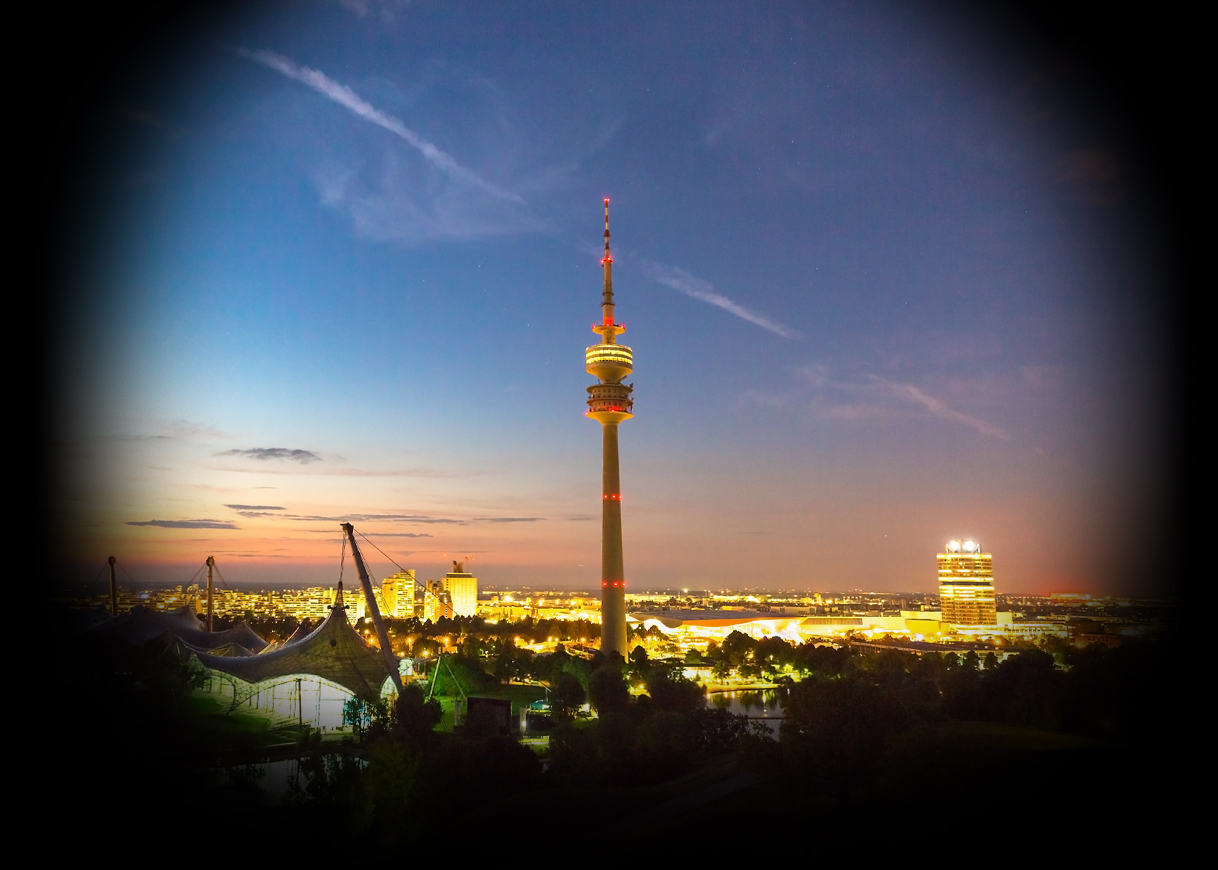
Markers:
397,593
966,585
610,404
436,601
462,589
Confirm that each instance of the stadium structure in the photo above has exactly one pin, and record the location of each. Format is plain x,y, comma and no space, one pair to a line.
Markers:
308,677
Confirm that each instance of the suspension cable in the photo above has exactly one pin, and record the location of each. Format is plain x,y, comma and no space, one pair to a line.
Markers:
382,552
195,576
342,560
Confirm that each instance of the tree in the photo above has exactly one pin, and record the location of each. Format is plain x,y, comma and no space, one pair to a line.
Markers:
607,690
889,668
413,714
1027,690
566,695
738,648
505,667
674,694
639,664
355,714
838,729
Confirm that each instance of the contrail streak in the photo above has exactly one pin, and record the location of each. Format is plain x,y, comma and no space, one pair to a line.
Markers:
821,379
349,99
940,408
678,279
704,291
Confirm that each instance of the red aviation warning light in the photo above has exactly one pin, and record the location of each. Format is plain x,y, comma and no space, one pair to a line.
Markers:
607,258
609,403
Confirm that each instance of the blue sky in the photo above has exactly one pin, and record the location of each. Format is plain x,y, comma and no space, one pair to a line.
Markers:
884,288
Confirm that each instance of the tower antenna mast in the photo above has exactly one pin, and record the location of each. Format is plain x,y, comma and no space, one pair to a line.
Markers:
610,404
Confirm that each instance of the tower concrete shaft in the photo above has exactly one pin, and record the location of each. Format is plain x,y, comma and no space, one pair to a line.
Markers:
113,588
610,403
613,571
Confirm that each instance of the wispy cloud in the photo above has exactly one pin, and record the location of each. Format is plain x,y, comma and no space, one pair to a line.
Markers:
176,431
938,407
264,453
704,291
508,519
397,213
401,472
255,513
349,99
343,472
389,9
402,535
274,512
186,524
875,396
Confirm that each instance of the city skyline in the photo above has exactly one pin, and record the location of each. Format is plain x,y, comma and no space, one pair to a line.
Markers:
879,280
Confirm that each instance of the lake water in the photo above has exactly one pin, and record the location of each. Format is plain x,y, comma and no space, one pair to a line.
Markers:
273,777
764,705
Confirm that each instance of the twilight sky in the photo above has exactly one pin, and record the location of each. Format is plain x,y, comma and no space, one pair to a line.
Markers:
885,284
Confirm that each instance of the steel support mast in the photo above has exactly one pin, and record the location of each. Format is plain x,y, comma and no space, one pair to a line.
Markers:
382,635
211,563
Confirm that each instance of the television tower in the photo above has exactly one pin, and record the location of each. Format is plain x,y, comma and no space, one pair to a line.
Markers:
609,403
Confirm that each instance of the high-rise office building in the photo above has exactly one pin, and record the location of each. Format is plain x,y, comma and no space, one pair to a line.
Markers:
462,588
966,585
610,403
397,594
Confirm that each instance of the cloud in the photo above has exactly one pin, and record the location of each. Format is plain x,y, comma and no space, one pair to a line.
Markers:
939,408
272,511
389,9
178,430
186,524
508,519
348,472
352,101
704,291
403,472
263,453
355,518
402,535
878,396
396,518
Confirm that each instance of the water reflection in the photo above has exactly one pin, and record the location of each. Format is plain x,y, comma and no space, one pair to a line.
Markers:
275,778
762,705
